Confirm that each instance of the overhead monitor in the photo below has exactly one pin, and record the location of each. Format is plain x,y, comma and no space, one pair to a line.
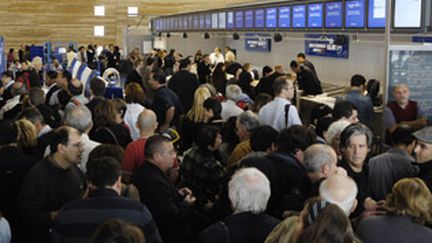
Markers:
208,21
190,22
333,14
196,25
239,21
202,21
222,20
271,18
185,23
249,19
355,14
230,20
299,16
259,18
377,14
315,15
284,17
407,14
214,20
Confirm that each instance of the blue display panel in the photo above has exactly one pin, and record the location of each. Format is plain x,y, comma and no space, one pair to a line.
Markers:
190,22
171,24
333,15
239,21
259,18
249,19
214,20
284,17
271,18
230,20
377,14
208,21
185,23
299,16
196,23
222,20
202,22
315,15
355,12
177,22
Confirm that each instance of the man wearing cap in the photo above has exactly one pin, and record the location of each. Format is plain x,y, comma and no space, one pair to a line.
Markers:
423,154
184,83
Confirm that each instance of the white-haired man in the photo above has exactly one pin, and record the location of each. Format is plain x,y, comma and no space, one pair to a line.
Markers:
340,190
229,107
249,192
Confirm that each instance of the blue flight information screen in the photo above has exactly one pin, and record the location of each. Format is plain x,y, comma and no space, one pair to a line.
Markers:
239,19
299,16
284,17
377,14
201,22
333,15
315,15
355,12
208,21
271,21
230,20
248,19
259,18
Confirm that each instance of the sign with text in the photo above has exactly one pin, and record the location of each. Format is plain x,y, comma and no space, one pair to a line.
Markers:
258,44
327,45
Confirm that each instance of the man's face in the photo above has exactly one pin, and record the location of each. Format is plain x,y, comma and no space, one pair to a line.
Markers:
73,149
5,79
240,131
300,60
153,83
356,151
401,95
354,117
332,168
423,152
289,90
167,156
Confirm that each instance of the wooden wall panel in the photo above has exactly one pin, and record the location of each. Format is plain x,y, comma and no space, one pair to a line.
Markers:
38,21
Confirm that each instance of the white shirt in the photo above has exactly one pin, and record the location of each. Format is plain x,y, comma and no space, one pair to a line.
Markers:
229,109
5,231
131,117
273,114
215,59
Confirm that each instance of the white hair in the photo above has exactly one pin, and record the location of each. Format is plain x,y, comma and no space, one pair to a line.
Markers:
233,92
340,190
79,117
147,119
334,129
249,191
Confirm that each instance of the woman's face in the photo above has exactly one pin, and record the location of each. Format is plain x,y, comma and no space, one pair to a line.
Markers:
217,143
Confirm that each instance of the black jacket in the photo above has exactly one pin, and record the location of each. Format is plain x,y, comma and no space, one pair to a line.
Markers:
184,84
169,210
46,188
308,82
426,173
243,227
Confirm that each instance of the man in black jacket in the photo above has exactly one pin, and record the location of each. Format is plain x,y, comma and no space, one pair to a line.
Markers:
290,186
184,83
171,208
307,80
104,203
50,184
204,70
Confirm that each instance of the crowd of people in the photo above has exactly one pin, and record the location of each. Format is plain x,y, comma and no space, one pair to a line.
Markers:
205,149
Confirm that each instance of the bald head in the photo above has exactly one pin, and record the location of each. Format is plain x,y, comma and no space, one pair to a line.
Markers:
75,87
147,122
340,190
